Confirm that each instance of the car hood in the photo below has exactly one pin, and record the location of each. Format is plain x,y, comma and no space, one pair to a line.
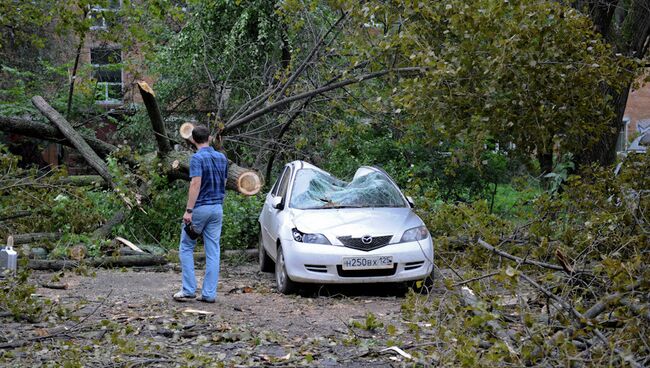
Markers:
356,222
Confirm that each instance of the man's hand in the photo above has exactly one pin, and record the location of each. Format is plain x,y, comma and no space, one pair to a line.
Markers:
187,218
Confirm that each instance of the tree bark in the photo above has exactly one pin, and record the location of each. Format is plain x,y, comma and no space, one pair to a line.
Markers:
632,41
35,237
83,180
240,179
246,181
73,136
105,230
15,215
106,262
50,133
157,123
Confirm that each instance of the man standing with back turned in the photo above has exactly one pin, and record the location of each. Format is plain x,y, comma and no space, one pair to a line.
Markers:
203,215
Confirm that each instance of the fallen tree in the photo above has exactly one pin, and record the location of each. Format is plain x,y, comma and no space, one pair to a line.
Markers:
106,262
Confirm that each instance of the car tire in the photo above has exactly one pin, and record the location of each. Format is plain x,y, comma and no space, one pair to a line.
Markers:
282,280
422,286
266,263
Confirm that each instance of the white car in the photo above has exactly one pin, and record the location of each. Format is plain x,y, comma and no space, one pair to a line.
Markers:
318,229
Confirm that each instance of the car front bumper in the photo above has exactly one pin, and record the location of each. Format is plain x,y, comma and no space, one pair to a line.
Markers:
317,263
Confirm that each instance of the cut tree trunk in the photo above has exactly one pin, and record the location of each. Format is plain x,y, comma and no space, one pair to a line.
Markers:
107,262
35,237
50,133
157,123
73,136
240,179
247,181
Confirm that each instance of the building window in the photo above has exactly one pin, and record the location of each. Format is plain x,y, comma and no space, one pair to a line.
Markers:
622,141
102,15
107,71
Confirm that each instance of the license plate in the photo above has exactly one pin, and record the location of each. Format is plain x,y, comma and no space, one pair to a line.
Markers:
367,263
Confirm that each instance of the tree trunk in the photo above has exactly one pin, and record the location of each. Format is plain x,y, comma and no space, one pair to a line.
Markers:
74,70
107,262
73,136
35,237
245,180
631,40
50,133
545,166
240,179
105,230
157,123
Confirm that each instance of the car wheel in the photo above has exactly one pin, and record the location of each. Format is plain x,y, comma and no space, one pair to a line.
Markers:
422,286
284,283
266,263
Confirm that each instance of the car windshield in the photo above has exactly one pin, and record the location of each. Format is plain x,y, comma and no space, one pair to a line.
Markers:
313,189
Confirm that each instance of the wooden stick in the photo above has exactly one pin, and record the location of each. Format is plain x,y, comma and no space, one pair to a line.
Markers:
476,279
509,256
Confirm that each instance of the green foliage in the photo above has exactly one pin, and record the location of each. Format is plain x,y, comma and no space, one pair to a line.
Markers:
495,69
371,323
442,171
240,229
161,224
53,206
16,297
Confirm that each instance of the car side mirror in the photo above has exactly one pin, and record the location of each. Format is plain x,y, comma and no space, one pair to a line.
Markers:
409,199
277,203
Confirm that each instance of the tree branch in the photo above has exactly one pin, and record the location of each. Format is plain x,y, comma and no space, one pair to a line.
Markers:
300,96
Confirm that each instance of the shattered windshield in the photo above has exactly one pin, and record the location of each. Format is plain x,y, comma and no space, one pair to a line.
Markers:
313,190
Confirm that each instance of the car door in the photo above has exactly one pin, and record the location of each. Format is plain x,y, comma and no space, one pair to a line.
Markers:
269,217
277,215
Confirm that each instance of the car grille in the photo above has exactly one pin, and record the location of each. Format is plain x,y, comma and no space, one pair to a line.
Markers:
366,273
357,243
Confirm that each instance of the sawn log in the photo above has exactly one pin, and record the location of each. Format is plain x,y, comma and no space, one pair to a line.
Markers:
107,262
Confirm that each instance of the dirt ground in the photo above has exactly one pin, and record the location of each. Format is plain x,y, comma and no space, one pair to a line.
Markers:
128,318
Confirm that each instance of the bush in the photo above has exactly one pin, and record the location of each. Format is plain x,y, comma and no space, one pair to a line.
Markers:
240,226
162,222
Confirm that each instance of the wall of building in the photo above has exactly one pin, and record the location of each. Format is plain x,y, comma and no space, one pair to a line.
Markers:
638,108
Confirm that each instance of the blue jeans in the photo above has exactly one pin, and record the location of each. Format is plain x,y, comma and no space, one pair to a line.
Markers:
206,220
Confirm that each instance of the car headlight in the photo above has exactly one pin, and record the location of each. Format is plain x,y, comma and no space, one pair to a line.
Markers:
415,234
299,236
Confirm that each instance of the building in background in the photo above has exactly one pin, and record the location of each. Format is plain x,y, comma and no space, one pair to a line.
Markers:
636,120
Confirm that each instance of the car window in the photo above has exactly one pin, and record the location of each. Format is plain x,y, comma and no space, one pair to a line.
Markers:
314,189
274,190
282,188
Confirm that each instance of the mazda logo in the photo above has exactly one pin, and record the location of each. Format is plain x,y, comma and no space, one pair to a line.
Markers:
367,239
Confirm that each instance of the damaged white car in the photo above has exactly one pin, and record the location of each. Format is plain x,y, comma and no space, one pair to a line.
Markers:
318,229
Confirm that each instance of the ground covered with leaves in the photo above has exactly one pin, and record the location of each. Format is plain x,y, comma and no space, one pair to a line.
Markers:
113,318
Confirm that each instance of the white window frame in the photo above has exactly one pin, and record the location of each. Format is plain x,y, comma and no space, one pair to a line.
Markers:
99,10
107,100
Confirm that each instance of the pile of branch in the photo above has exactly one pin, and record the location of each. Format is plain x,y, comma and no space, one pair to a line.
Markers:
582,324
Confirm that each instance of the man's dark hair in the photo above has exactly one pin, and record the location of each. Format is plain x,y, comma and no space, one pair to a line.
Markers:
200,134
